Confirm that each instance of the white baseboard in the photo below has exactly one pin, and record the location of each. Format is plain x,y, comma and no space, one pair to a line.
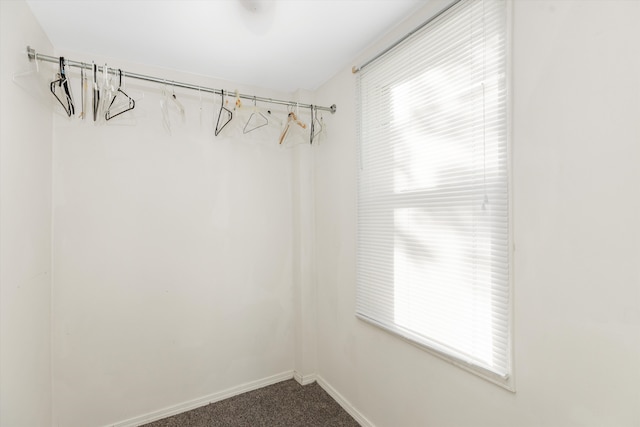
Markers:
202,401
346,405
234,391
304,379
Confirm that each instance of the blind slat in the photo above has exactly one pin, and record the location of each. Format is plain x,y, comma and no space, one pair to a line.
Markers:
433,231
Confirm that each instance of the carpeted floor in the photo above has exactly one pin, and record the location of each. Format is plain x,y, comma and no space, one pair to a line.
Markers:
285,404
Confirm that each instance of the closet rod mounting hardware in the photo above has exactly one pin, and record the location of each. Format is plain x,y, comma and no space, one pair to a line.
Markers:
33,55
357,69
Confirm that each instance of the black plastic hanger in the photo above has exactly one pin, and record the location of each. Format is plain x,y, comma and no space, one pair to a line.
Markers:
63,83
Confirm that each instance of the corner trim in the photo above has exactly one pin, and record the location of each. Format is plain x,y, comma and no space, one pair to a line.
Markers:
304,379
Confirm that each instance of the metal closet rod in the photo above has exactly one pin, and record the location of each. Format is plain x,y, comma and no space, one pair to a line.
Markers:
40,57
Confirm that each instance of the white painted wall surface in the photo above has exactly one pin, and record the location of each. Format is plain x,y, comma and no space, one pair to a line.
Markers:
173,258
183,267
25,225
576,179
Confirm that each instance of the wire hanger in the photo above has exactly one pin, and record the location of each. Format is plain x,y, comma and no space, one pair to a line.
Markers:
106,90
30,70
164,109
83,94
164,106
228,113
29,78
130,103
317,126
259,121
63,83
177,103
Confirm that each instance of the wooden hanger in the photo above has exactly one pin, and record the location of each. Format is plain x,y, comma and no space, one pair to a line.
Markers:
291,119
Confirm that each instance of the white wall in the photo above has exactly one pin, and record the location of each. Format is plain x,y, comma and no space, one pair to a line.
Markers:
576,186
25,225
173,266
184,265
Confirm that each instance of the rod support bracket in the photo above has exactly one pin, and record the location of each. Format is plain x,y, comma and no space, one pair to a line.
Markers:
333,109
31,53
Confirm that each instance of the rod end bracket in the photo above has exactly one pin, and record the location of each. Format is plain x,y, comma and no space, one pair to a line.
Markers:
31,53
333,109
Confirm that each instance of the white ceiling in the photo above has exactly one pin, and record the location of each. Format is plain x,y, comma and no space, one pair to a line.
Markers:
277,44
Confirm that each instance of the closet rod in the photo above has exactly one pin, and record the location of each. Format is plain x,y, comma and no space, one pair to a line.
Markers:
33,55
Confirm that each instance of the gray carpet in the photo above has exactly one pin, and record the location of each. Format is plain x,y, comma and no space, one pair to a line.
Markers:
285,404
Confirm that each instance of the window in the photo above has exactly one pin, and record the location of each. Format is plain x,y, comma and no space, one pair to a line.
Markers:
433,206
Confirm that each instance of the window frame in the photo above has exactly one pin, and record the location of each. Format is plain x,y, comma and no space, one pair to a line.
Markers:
507,383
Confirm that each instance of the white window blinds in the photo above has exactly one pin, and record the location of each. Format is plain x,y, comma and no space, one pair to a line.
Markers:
433,208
